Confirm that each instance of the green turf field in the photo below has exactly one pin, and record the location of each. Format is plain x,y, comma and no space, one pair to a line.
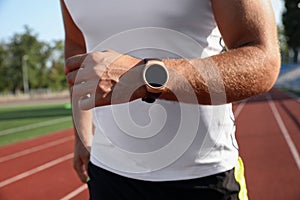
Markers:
19,122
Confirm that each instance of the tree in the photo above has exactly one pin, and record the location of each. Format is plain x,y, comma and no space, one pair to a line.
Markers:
284,49
56,76
37,54
44,63
291,22
3,77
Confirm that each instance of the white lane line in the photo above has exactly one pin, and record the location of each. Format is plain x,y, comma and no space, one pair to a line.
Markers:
33,126
75,192
35,170
35,149
284,132
239,108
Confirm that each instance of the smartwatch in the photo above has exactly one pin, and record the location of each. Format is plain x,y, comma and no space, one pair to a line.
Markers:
155,76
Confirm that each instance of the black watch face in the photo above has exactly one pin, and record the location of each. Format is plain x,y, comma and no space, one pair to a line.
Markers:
156,75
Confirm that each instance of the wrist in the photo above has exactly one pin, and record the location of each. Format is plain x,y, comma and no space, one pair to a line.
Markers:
183,80
127,60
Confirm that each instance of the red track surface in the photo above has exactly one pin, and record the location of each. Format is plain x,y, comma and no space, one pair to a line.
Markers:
268,131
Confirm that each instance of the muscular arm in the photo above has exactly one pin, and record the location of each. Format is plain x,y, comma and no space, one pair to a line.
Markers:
249,68
251,65
74,45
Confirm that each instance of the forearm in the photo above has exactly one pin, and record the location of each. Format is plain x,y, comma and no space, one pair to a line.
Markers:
83,127
82,123
228,77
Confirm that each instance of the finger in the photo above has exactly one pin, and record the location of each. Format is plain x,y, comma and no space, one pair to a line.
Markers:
83,175
83,89
81,75
80,170
88,102
71,77
74,62
86,161
89,73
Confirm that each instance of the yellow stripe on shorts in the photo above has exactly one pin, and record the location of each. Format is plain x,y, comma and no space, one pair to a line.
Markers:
240,178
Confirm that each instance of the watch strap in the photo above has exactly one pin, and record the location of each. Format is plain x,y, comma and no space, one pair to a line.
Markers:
151,97
148,59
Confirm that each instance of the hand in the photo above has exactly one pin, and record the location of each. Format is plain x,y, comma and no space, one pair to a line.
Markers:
81,160
93,77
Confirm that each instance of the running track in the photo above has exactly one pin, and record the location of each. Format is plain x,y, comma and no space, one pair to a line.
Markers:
268,131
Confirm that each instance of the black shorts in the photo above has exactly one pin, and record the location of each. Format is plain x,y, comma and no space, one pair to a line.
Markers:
105,185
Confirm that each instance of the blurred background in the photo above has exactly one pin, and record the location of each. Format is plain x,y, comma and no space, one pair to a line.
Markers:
34,102
31,47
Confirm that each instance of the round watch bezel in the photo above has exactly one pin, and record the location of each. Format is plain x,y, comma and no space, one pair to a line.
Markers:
151,88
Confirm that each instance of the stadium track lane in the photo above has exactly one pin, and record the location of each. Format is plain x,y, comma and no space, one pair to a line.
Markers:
34,159
82,196
27,162
51,183
271,172
289,110
26,144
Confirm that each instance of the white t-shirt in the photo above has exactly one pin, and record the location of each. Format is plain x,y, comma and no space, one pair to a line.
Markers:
165,140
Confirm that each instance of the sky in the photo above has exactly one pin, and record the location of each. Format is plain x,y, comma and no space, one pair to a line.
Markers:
44,17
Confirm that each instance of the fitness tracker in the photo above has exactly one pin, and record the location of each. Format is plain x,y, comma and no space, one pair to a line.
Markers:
155,76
